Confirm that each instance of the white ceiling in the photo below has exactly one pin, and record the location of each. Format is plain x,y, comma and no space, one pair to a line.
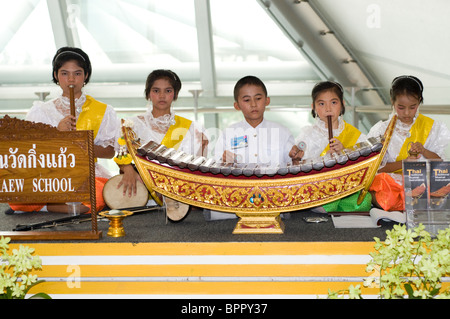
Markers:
290,44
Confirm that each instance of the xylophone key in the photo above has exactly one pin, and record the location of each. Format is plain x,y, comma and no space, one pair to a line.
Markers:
184,161
352,154
225,169
175,158
341,158
266,170
376,144
306,165
215,168
329,160
206,166
152,154
318,163
196,162
143,150
163,156
249,169
294,169
363,148
283,170
237,169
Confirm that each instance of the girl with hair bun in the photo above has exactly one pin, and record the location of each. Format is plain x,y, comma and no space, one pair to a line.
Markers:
415,136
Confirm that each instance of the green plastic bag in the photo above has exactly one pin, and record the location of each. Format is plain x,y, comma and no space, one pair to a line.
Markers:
349,204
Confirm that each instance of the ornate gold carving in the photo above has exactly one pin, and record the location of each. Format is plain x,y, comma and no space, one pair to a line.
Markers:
258,202
240,195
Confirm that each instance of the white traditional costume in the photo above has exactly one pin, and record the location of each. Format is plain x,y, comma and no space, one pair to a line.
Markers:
433,135
315,137
171,130
91,115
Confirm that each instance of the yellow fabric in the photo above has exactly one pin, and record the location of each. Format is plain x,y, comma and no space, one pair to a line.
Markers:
348,137
91,115
176,133
418,133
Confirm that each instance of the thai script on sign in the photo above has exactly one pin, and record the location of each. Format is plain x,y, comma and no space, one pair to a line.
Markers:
34,160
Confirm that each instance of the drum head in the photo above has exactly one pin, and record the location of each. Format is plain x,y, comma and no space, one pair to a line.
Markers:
115,199
175,210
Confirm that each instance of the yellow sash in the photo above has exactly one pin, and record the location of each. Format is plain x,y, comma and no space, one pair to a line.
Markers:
348,137
418,133
91,115
176,133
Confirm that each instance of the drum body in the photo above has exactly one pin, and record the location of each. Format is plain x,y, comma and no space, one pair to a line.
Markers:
115,199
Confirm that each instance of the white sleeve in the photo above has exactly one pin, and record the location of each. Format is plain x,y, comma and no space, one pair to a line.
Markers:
438,139
315,143
44,112
109,128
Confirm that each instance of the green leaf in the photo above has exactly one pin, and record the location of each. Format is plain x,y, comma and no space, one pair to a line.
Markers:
409,291
40,295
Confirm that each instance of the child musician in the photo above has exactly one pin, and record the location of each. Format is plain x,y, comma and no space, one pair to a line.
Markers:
328,104
72,67
413,133
161,125
254,139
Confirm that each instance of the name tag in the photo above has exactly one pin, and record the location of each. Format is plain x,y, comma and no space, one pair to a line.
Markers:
239,142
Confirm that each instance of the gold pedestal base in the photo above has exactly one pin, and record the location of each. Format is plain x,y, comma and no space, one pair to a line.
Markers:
259,224
116,222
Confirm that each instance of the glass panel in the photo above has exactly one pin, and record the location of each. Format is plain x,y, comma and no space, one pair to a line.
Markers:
131,38
27,35
156,32
247,41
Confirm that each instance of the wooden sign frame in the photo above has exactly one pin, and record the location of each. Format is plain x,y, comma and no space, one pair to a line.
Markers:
40,164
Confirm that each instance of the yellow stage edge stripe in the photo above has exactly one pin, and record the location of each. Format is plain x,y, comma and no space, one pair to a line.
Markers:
210,248
195,288
298,270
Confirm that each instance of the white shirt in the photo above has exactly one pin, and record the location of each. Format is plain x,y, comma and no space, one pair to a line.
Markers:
316,137
147,128
438,138
53,111
268,144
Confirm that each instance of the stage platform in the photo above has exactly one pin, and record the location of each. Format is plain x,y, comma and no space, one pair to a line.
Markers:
195,258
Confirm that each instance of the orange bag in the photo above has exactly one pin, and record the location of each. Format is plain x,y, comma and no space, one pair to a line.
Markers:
388,194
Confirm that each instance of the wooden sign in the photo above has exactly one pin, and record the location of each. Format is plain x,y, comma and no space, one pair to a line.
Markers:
39,164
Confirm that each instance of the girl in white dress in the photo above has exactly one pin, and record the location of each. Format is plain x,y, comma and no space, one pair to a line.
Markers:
72,67
328,100
161,125
414,133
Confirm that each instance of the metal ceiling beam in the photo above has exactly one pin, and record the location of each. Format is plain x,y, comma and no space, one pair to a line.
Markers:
63,23
15,18
205,47
331,59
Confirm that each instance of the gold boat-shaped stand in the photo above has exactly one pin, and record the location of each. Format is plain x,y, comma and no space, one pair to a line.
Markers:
257,198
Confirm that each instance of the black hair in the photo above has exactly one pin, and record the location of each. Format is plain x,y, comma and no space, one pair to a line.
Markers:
406,84
327,86
248,80
65,54
171,76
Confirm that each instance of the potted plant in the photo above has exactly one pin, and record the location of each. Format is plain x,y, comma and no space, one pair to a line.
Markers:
408,264
16,278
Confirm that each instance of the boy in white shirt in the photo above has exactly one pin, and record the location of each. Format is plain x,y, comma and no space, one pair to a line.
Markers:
254,140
